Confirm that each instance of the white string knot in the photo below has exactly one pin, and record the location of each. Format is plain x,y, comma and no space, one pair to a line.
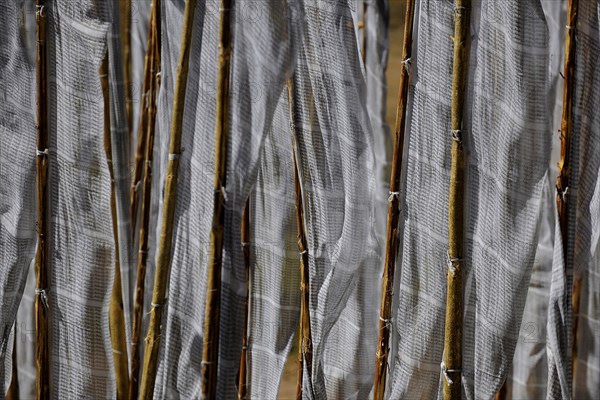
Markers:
303,252
159,74
222,190
174,156
392,195
406,62
245,244
456,135
386,322
570,26
41,152
447,373
451,261
43,293
40,11
563,194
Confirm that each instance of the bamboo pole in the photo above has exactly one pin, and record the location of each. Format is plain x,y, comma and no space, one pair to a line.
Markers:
125,28
564,164
210,349
41,257
138,165
170,197
242,382
305,334
363,26
452,362
116,313
385,327
154,84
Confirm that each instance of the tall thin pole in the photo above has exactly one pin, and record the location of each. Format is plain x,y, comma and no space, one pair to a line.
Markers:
138,165
385,326
210,349
242,382
452,362
564,164
41,256
154,84
116,313
163,263
125,28
305,342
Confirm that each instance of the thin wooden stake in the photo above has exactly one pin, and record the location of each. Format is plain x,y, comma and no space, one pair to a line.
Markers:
170,197
210,349
125,29
452,363
564,164
242,382
385,326
41,256
305,345
116,312
154,84
138,165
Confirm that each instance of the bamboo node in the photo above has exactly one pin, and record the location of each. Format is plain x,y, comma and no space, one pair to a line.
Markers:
451,263
43,293
447,373
457,135
39,153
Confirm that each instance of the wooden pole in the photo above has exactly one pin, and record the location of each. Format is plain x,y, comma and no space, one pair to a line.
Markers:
170,197
116,312
138,165
242,382
564,164
210,349
305,345
41,256
154,84
452,363
385,326
125,28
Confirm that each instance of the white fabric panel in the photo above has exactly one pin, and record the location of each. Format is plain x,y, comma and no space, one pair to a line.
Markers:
275,262
507,141
80,234
336,155
259,66
17,170
582,259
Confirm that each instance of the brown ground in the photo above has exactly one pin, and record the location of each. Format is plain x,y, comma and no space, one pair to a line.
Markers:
287,390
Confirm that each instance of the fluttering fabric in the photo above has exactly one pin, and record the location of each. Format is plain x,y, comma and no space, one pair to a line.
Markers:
582,260
507,140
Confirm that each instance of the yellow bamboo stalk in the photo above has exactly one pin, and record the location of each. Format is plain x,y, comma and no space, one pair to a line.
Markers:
170,198
385,327
564,164
138,165
41,257
154,84
452,362
242,381
116,313
210,349
305,334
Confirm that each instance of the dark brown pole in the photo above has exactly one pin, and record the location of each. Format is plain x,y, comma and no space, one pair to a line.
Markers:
452,363
163,263
153,78
242,382
41,256
385,326
210,349
564,164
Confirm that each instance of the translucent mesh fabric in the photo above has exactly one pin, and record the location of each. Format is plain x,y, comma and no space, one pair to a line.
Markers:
582,260
17,170
336,155
275,280
260,62
507,143
80,239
